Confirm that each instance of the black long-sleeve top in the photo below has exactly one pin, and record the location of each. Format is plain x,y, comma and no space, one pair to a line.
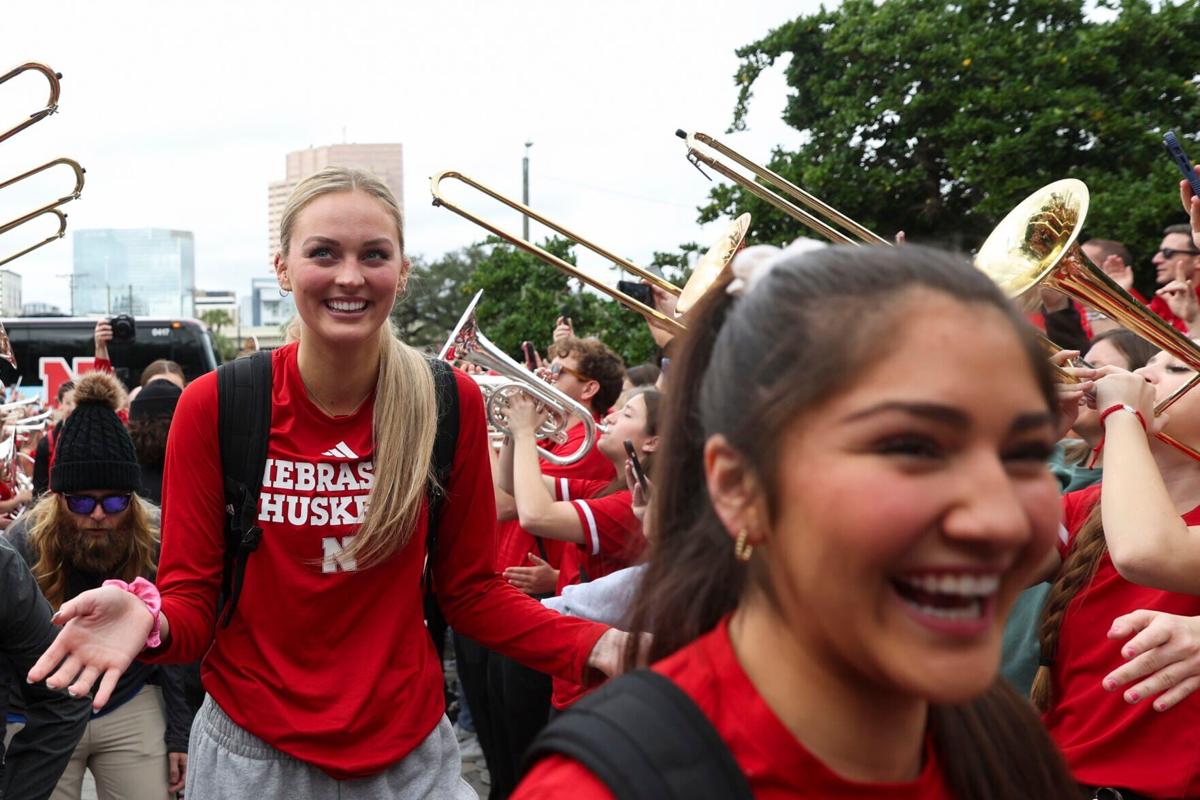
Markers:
55,721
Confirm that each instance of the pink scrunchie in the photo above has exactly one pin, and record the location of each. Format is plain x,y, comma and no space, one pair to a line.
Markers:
147,592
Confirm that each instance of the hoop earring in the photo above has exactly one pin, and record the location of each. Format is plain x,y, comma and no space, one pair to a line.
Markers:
742,549
284,292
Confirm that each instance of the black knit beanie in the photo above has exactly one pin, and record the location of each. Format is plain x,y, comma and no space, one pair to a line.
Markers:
156,399
94,450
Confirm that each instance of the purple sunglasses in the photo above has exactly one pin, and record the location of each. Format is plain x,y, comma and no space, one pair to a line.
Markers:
86,504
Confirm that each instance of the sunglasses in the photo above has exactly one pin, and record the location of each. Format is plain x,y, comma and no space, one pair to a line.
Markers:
1170,252
86,504
558,369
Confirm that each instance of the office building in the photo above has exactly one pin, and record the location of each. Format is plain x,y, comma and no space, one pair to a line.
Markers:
384,160
10,293
146,272
265,305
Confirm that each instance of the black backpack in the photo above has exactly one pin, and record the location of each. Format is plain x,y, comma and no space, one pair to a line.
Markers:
645,739
244,425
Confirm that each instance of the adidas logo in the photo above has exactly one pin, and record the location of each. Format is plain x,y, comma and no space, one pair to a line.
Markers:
340,450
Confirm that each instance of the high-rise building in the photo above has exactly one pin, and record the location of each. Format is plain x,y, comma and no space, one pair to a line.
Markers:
266,305
140,271
10,293
384,160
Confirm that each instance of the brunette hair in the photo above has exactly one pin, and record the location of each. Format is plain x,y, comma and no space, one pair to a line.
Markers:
643,374
149,437
66,386
1181,227
50,532
598,362
161,366
405,417
750,367
1076,572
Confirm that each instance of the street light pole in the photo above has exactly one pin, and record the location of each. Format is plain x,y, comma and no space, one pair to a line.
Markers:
525,193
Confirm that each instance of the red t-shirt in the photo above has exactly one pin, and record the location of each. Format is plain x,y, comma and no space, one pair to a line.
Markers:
612,540
327,663
514,543
1160,307
773,761
1106,741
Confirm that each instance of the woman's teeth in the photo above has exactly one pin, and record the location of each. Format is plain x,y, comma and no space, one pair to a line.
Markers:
948,596
346,305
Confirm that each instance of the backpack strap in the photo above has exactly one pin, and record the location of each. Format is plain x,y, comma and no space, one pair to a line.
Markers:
243,428
444,446
644,738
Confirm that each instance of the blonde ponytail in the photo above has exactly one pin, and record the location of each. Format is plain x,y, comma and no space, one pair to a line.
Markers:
405,425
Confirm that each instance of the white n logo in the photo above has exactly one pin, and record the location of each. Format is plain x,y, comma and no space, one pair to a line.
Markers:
334,560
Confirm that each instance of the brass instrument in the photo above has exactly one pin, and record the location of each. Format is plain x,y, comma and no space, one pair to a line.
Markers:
1035,246
775,190
50,208
51,102
467,343
720,255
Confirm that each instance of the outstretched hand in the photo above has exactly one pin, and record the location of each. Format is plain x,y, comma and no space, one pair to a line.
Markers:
105,630
1163,657
541,578
1180,296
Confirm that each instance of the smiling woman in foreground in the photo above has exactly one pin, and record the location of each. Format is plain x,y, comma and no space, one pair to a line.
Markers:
851,497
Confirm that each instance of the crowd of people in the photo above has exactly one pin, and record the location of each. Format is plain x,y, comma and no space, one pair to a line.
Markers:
850,536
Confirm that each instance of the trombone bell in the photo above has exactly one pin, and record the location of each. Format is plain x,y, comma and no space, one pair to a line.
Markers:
714,264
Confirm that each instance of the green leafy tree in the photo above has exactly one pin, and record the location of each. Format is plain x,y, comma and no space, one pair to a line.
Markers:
435,297
523,297
938,117
215,319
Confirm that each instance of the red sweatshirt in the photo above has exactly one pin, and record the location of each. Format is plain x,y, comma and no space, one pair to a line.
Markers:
331,664
775,763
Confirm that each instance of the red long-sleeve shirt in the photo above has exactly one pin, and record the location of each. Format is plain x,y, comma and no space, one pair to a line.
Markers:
331,664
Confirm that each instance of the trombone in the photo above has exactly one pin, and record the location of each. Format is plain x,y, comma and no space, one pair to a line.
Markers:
1036,245
714,261
51,102
467,343
50,208
774,189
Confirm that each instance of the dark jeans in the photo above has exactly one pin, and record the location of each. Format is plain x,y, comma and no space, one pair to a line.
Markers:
510,705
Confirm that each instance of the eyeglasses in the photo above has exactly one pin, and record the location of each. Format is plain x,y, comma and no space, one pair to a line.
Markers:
559,368
86,504
1170,252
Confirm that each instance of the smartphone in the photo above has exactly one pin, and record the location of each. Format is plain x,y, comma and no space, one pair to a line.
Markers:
638,291
530,355
637,466
1181,160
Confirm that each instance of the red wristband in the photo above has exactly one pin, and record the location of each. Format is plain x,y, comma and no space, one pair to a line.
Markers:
1122,407
147,592
1103,416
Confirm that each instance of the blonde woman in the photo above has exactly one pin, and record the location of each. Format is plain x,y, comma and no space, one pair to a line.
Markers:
325,682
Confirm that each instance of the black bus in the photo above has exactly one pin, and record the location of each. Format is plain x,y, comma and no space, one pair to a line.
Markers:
50,350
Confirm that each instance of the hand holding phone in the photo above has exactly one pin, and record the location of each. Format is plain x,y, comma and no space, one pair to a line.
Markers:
637,467
1175,150
638,291
530,355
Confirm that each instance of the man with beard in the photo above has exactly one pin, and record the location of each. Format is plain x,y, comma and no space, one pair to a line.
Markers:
92,527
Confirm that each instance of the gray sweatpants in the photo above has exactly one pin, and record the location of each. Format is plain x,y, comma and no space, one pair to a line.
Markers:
225,762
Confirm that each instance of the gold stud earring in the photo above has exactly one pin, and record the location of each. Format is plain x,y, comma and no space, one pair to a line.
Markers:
742,549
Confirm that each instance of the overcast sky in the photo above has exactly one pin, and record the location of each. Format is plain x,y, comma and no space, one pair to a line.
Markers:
182,113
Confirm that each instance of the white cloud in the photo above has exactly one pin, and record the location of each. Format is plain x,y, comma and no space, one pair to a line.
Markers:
183,112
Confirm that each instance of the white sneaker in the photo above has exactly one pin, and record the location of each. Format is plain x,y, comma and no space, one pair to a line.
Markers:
469,749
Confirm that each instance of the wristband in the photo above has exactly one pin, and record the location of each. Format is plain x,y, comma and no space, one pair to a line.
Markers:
147,592
1103,416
